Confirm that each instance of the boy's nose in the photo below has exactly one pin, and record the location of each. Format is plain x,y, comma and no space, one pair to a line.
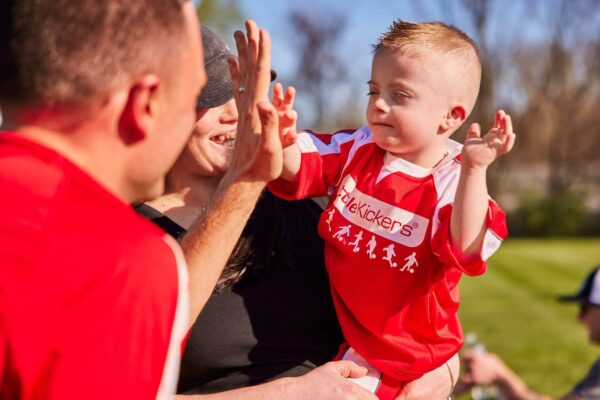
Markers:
381,105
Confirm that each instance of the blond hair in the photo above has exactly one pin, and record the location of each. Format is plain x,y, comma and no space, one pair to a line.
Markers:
414,39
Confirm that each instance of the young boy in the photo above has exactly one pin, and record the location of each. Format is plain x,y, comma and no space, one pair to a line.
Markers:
409,210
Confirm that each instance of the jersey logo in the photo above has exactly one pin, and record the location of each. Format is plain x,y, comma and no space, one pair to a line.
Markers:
376,216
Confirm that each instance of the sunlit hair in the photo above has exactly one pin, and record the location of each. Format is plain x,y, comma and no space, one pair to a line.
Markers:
415,39
65,52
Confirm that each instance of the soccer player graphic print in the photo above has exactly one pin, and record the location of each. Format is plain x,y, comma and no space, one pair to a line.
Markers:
330,218
357,239
371,247
389,253
410,261
343,231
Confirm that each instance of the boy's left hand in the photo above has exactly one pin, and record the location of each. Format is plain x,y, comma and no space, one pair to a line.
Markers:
479,152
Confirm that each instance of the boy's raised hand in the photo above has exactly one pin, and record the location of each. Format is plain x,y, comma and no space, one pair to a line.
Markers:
284,102
479,152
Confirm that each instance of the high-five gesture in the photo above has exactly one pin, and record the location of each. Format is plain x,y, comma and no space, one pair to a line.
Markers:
479,152
258,152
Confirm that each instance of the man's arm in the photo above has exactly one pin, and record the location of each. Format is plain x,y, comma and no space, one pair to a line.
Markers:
327,382
469,212
257,159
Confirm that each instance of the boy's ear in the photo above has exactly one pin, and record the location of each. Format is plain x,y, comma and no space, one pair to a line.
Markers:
454,118
139,113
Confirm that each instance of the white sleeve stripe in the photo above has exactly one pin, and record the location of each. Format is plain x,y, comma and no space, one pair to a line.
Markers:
491,243
309,143
168,382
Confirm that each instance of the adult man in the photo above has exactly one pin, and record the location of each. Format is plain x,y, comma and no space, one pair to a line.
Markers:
99,99
488,368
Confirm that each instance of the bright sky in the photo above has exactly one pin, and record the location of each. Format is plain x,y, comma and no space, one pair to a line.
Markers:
367,19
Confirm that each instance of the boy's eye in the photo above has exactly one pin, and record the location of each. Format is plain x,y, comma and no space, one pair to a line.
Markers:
372,93
400,94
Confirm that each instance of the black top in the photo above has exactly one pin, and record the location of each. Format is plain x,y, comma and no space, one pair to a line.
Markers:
278,320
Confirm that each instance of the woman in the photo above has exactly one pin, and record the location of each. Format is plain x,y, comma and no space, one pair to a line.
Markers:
270,319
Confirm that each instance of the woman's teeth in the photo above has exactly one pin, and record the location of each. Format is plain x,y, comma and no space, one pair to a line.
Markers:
225,139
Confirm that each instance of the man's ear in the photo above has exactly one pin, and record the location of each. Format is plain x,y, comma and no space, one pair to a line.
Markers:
454,118
140,110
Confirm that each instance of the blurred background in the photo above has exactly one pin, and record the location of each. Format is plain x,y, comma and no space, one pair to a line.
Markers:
541,61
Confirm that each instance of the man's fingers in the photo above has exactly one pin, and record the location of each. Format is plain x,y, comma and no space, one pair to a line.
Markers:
270,124
263,68
349,369
241,44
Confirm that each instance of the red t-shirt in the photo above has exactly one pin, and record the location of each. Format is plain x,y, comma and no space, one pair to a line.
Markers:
392,269
93,298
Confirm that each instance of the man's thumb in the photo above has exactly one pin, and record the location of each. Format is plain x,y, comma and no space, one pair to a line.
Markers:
350,369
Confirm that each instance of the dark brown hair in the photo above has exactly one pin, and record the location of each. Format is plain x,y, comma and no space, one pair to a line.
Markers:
65,52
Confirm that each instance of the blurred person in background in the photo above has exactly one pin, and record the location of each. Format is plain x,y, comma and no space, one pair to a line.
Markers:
489,369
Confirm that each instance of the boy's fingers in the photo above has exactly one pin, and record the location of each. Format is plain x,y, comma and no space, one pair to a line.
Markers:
290,95
291,116
474,131
277,94
510,142
507,125
498,118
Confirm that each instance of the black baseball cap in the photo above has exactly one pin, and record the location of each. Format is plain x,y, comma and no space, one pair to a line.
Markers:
219,87
589,292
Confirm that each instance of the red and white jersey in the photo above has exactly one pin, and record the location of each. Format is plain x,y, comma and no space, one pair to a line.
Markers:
392,269
93,298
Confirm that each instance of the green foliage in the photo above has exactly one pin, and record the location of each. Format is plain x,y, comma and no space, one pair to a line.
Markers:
514,312
557,215
222,16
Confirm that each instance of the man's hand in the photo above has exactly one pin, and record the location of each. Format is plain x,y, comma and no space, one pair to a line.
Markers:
328,382
258,151
479,152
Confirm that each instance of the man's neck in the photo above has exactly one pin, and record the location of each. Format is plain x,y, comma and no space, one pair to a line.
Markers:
84,150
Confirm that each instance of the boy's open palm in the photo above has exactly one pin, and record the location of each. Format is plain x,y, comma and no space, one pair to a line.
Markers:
478,151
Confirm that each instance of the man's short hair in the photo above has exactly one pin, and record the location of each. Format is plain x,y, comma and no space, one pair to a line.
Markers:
65,52
446,40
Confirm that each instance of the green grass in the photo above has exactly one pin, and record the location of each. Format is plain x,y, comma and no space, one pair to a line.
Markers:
514,312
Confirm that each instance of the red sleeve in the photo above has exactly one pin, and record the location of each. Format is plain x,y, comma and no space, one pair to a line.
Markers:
442,245
323,158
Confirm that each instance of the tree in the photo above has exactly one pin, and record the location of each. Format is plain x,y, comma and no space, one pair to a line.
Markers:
220,15
320,68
